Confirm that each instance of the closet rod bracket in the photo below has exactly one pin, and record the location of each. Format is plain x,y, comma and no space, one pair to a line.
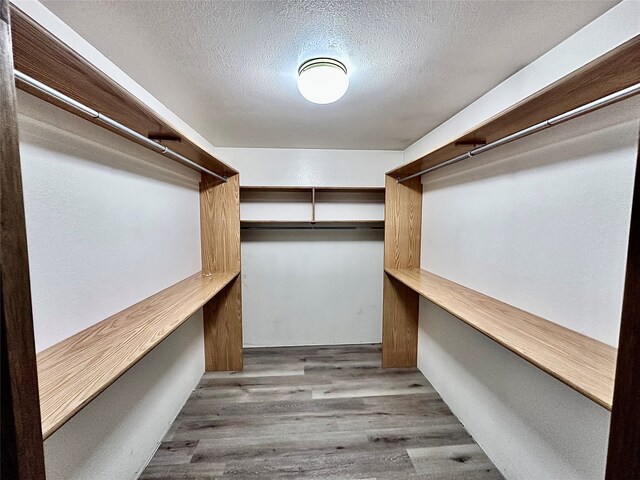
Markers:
102,119
551,122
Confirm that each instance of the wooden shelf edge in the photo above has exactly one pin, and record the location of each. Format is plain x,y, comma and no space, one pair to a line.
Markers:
609,73
294,188
43,56
308,224
580,362
75,371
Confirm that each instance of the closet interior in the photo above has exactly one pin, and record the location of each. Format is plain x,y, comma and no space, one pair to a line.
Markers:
43,392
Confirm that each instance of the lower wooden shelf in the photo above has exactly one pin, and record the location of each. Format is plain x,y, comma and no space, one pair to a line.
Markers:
586,365
307,224
74,371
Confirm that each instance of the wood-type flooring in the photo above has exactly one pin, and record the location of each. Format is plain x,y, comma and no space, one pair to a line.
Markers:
325,412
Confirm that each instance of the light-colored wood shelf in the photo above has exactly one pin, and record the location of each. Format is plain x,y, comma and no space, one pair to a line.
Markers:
74,371
261,193
613,71
584,364
273,189
44,57
305,224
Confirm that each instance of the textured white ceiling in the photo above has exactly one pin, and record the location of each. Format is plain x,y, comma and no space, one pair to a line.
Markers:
228,68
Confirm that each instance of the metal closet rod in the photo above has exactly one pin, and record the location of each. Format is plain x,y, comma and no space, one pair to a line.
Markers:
563,117
311,228
61,97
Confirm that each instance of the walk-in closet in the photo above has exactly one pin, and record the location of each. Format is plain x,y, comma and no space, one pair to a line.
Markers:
337,240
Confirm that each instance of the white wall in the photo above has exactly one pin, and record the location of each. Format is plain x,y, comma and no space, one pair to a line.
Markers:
541,224
311,287
108,224
318,287
115,436
326,168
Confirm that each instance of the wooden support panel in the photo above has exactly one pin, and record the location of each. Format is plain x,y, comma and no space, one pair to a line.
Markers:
402,223
22,455
623,459
402,233
220,233
399,325
220,224
42,56
223,329
74,371
586,365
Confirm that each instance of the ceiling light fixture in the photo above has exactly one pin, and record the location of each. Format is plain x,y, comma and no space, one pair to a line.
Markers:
322,80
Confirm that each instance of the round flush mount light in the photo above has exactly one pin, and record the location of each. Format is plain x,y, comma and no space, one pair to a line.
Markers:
322,80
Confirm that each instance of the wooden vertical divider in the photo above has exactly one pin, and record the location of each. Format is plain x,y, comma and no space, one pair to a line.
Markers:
220,224
22,453
220,238
623,459
402,231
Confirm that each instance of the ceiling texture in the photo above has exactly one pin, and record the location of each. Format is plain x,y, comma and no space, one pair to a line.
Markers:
229,68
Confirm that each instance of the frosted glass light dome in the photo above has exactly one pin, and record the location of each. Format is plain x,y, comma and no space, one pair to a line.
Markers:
322,80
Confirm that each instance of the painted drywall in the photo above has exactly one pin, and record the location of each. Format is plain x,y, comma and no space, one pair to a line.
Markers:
318,287
108,224
311,287
92,196
325,167
115,436
541,224
530,425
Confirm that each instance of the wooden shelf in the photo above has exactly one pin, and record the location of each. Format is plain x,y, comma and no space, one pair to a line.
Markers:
309,189
584,364
74,371
306,225
44,57
607,74
251,194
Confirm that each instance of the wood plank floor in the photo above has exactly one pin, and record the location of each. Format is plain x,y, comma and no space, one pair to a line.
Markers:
318,412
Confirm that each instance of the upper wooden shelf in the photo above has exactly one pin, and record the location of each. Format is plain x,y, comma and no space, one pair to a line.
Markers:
44,57
288,189
614,71
311,225
74,371
315,196
580,362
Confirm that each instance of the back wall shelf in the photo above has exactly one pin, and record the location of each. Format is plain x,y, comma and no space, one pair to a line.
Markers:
312,201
